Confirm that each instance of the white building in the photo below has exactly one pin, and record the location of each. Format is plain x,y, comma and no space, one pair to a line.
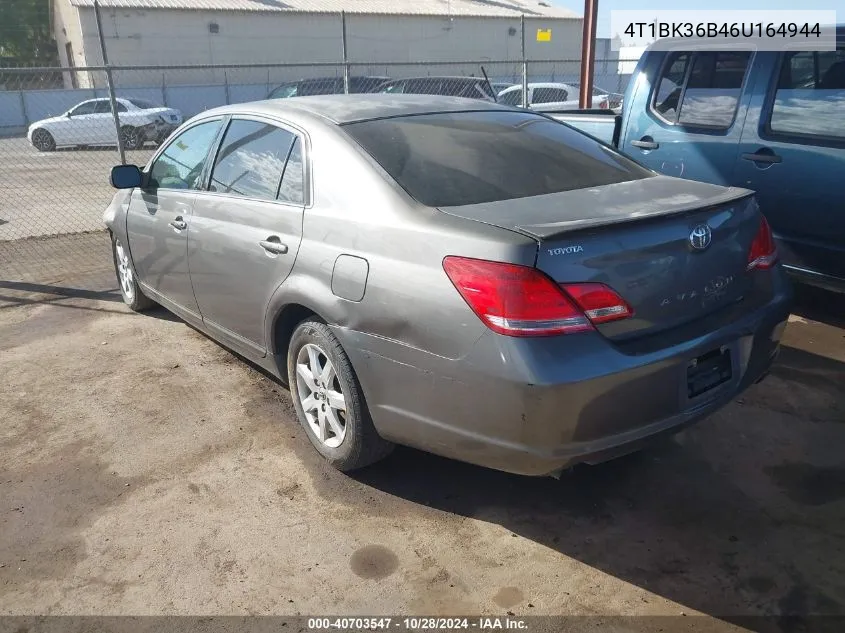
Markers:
196,32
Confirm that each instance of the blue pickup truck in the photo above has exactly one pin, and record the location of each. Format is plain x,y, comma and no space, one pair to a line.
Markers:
773,122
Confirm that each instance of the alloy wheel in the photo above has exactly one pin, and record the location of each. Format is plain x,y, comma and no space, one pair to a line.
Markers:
321,395
124,271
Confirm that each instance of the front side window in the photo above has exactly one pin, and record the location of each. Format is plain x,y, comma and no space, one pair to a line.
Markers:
397,88
251,160
180,165
460,158
285,92
705,95
810,95
549,95
84,108
321,87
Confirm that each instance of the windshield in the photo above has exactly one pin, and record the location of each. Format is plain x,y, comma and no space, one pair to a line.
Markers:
460,158
142,103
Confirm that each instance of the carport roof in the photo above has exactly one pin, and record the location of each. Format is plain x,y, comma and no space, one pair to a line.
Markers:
457,8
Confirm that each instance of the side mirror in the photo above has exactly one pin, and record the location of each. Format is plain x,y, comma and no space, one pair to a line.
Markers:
125,177
68,114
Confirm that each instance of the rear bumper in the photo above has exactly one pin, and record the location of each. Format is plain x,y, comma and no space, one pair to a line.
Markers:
536,405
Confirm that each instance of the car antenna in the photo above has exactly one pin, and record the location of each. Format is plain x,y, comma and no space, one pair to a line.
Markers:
489,87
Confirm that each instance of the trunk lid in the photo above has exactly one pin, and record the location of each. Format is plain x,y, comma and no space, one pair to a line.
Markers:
646,239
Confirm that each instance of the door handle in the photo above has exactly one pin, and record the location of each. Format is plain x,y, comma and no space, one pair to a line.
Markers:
763,156
645,142
179,224
273,245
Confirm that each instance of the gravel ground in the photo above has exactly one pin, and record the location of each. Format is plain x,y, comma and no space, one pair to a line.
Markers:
146,470
66,191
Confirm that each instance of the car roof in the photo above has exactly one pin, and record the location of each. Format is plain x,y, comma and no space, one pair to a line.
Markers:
341,108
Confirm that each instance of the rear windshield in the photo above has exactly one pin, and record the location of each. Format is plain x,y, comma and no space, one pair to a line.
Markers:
454,159
142,103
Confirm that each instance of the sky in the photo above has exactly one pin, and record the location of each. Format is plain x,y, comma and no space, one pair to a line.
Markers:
606,6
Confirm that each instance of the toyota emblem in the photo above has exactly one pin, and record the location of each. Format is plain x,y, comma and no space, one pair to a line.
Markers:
700,237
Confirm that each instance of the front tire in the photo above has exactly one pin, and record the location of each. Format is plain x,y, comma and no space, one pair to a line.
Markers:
43,141
130,290
328,399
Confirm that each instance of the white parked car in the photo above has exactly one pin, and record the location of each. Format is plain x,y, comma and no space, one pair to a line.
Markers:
91,123
547,97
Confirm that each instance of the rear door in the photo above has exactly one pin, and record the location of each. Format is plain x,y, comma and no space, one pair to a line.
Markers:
794,155
160,214
102,122
692,119
247,227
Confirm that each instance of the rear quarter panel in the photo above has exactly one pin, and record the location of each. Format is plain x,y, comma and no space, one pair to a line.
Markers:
408,300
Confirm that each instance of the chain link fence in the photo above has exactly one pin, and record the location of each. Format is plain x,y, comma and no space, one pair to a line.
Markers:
59,136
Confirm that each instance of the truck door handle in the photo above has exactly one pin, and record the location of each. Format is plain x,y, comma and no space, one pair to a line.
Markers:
179,224
763,156
273,245
645,142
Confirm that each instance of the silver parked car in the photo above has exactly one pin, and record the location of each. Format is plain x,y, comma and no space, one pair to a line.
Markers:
480,282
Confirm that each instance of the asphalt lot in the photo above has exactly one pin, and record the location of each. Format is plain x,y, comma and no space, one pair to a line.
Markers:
146,470
66,191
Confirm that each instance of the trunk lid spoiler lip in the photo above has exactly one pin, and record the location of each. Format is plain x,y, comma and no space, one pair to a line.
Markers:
684,196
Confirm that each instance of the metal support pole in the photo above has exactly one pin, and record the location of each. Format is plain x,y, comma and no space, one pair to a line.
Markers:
110,82
588,53
226,86
524,63
24,113
345,55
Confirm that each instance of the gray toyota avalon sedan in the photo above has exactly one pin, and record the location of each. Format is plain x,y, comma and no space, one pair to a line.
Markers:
477,281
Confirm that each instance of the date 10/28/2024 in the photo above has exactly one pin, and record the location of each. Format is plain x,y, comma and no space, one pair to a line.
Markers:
417,624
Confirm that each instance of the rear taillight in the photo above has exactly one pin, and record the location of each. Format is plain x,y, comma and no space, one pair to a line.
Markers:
599,303
603,105
521,301
764,252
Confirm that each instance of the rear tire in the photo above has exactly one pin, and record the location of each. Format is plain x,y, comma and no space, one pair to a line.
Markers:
328,399
131,137
130,290
43,141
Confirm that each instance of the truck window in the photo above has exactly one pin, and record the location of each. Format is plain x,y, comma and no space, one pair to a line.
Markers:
705,95
810,96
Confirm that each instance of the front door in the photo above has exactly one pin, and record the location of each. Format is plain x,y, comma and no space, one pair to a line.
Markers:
75,127
246,228
159,217
689,122
795,158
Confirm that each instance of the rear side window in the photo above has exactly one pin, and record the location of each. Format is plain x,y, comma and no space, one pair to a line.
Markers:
810,95
251,160
701,89
453,159
292,188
